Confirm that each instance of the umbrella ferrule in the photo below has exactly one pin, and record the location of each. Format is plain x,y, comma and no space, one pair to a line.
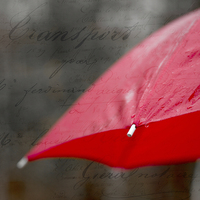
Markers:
22,162
131,130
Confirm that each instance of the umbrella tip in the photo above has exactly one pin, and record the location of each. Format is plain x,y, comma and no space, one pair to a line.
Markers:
22,162
131,130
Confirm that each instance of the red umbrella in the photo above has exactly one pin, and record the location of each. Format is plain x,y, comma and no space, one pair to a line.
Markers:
155,88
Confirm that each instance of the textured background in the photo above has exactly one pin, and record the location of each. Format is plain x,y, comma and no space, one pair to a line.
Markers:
36,37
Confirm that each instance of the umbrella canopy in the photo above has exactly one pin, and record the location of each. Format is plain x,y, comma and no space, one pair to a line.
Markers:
156,87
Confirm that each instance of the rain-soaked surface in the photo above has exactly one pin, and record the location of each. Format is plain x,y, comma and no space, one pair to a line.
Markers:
51,52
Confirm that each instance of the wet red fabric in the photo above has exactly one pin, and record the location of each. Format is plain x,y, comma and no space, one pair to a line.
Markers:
155,81
175,140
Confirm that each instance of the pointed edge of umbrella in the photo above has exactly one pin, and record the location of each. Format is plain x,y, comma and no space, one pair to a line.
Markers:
131,130
22,163
163,154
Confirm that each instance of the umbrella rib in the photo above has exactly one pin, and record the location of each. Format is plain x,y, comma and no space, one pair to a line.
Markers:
160,67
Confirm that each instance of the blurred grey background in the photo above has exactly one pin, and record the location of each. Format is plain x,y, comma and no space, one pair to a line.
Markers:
36,37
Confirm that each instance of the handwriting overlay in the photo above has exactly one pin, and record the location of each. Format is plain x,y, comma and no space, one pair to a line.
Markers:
51,53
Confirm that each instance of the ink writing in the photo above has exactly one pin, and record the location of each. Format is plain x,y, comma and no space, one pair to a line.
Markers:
49,89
